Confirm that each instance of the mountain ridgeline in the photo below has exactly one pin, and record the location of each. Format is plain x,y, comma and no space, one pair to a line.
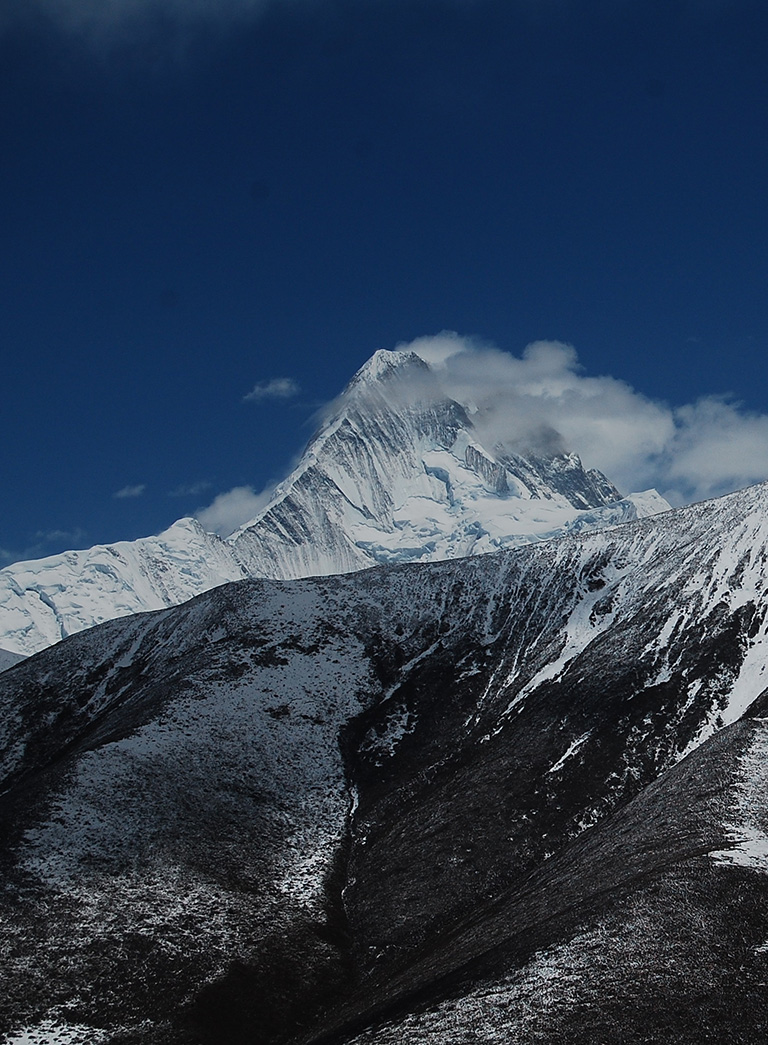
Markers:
396,473
509,797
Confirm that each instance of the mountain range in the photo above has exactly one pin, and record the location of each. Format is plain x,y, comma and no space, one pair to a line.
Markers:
395,473
507,797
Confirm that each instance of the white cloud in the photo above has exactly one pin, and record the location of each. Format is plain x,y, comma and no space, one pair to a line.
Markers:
7,557
437,348
718,446
277,388
130,491
543,401
231,509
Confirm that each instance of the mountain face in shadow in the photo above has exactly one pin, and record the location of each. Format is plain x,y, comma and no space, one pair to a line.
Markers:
513,797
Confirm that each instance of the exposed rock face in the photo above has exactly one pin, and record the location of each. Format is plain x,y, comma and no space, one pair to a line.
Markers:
424,803
8,659
395,474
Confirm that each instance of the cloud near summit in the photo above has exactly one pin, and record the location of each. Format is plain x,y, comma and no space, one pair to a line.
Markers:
544,401
277,388
231,509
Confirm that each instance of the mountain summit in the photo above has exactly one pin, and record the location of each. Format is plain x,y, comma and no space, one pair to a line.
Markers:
396,472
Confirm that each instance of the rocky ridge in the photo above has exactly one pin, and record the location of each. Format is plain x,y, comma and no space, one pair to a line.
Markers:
510,797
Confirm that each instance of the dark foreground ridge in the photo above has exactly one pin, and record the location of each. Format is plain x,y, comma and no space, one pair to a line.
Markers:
432,803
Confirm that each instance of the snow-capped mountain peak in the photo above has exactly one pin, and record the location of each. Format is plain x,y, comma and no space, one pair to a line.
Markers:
397,472
385,364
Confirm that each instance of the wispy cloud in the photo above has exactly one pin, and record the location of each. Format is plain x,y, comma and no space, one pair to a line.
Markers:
190,489
233,508
544,401
61,536
277,388
112,13
130,491
107,23
44,542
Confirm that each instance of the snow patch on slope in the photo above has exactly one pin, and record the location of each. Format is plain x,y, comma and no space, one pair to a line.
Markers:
50,1032
572,749
591,615
748,827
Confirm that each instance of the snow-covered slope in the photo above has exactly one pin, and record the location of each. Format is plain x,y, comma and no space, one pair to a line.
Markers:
44,600
637,932
307,807
395,474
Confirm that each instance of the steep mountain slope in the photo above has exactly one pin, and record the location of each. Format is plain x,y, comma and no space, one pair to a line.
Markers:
308,809
651,927
395,474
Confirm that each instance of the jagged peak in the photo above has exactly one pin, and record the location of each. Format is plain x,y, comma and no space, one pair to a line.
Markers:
185,527
396,382
385,364
391,382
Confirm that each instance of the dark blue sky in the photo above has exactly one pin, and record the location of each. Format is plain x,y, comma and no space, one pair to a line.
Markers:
189,210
